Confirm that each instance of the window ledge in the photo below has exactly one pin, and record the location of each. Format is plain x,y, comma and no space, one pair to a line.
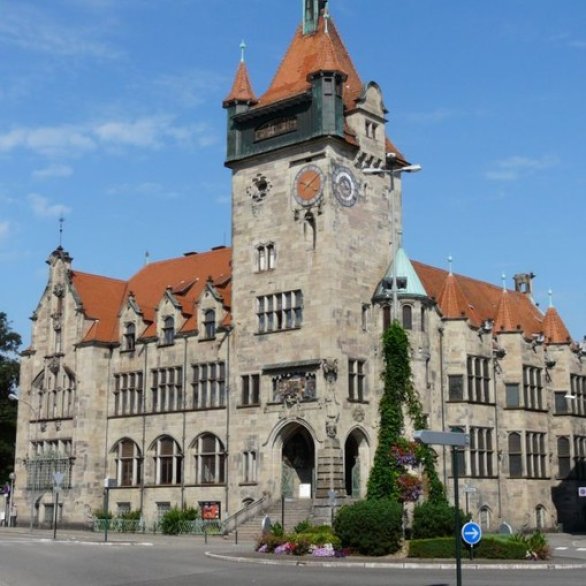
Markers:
248,406
210,339
282,330
248,484
358,401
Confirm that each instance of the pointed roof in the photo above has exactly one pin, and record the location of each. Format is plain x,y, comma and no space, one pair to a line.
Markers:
480,299
241,91
454,303
554,329
307,55
410,284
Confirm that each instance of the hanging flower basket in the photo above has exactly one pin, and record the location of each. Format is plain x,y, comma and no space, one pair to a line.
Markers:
410,487
406,453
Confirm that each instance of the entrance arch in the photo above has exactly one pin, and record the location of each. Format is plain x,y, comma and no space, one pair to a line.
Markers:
297,462
356,458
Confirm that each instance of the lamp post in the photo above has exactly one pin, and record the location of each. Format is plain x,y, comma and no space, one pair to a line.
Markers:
15,396
455,440
11,517
393,172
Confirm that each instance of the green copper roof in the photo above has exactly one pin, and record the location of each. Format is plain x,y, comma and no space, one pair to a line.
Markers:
408,283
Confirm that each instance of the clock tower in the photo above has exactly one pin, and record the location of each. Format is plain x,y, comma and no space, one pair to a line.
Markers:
311,241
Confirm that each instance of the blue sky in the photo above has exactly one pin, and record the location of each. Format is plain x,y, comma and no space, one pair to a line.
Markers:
110,115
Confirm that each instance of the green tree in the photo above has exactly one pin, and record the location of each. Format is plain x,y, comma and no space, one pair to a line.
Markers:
9,368
399,396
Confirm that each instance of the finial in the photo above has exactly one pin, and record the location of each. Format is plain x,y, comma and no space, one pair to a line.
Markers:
504,280
550,295
146,257
61,220
326,17
450,263
242,50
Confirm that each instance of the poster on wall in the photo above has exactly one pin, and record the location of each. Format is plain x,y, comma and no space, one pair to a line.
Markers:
210,510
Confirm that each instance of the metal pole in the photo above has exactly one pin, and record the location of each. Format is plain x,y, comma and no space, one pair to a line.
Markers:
283,512
107,517
56,515
457,517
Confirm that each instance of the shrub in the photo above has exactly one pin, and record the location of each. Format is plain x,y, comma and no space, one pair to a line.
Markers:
536,545
303,526
435,519
277,529
130,515
101,514
175,520
488,548
268,542
372,527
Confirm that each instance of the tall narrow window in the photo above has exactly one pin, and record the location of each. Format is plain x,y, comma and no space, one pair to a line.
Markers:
209,323
407,317
169,330
249,463
515,456
250,389
564,459
130,337
456,387
356,380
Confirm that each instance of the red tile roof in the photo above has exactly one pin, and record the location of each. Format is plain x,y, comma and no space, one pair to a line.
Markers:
185,277
554,329
479,301
309,54
241,88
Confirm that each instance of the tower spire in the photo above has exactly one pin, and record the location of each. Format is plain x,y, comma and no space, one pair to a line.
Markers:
312,10
61,220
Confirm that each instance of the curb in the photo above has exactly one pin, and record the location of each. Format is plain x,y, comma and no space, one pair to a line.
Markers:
396,565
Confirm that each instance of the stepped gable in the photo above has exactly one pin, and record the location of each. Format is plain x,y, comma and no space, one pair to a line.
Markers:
241,91
554,329
483,298
101,298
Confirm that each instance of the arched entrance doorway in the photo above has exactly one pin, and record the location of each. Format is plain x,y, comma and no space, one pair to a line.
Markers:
297,462
356,464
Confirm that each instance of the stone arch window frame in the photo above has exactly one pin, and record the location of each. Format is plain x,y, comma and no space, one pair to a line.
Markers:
484,517
407,316
129,337
209,462
250,461
168,463
540,517
128,465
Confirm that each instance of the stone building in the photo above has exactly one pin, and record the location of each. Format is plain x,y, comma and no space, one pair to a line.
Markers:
241,374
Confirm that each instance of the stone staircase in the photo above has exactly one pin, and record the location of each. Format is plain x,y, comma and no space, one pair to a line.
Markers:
296,510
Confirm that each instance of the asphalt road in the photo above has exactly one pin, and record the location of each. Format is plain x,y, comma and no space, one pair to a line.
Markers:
27,560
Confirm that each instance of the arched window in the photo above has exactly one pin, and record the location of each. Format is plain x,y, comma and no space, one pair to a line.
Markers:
515,456
210,460
209,323
168,461
128,463
484,517
540,517
169,330
564,461
407,317
130,337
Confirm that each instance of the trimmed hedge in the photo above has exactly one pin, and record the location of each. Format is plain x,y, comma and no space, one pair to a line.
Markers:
435,519
488,548
371,527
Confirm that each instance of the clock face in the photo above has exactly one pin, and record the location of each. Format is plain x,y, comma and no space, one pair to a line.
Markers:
309,185
345,186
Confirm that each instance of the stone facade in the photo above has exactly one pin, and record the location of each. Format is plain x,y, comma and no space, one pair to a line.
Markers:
253,372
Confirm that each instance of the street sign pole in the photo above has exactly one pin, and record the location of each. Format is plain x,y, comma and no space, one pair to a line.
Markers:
57,482
457,517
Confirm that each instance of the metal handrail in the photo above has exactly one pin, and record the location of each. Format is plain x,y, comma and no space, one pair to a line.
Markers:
241,516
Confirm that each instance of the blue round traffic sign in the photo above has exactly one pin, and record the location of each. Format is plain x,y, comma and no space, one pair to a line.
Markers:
471,533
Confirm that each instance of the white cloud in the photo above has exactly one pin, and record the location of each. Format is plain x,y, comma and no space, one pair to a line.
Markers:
516,167
146,189
30,28
53,171
72,140
4,229
43,208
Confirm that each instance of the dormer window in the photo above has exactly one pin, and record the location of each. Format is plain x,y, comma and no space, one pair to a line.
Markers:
169,330
209,323
130,337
